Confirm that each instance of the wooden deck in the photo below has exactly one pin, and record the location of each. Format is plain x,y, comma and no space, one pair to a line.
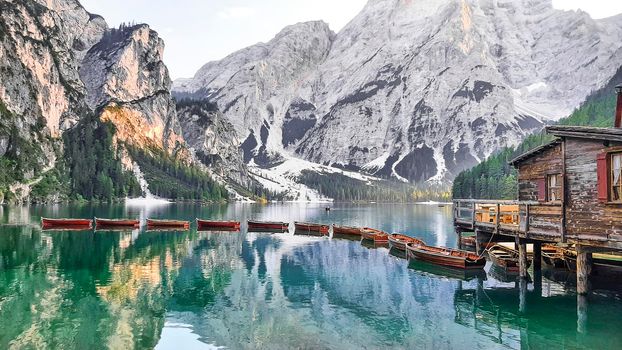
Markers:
529,220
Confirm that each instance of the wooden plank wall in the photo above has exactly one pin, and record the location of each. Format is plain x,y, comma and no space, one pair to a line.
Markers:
587,217
536,168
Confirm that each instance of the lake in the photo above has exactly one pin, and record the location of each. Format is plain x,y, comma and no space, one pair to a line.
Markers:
183,290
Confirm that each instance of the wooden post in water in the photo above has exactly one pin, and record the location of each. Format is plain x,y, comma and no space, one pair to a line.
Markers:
522,258
537,256
584,269
581,313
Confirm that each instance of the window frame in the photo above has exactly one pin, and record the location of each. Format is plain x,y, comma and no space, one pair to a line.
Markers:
610,178
558,185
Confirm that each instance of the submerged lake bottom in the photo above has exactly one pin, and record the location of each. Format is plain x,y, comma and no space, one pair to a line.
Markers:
246,290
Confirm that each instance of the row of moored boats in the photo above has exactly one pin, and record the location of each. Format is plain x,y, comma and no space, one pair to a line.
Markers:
501,256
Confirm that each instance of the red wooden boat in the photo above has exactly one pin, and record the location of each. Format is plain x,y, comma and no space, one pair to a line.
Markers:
302,227
456,258
167,224
217,225
346,230
399,241
375,235
114,223
268,225
505,258
66,223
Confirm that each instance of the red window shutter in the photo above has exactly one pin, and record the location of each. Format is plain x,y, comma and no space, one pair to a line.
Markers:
602,176
542,189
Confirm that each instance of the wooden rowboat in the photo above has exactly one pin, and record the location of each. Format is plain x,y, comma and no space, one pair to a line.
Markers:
117,223
399,241
346,230
553,256
455,258
167,224
505,258
218,225
309,227
268,225
47,223
601,262
375,235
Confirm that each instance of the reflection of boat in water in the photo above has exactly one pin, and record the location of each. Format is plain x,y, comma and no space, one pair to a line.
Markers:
448,272
399,241
502,275
372,245
455,258
505,258
398,253
346,237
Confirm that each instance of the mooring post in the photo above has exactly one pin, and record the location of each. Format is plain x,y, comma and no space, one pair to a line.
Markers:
522,258
459,232
537,256
584,269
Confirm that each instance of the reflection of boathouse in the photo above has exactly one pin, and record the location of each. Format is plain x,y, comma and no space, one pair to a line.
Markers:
569,192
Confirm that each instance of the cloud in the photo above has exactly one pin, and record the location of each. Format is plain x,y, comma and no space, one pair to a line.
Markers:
236,12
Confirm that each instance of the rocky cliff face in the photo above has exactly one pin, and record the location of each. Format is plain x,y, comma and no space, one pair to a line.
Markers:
58,64
129,84
254,87
41,94
413,90
213,140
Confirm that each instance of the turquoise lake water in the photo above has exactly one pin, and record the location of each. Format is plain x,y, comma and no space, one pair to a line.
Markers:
186,290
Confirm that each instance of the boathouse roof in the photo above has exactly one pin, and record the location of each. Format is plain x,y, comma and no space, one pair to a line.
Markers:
581,132
585,132
534,151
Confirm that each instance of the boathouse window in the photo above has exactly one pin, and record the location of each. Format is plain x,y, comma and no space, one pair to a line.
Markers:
554,187
616,177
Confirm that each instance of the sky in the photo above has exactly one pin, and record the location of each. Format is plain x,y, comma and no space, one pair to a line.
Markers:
198,31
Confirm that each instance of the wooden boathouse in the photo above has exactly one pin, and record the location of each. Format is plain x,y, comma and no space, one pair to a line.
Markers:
569,192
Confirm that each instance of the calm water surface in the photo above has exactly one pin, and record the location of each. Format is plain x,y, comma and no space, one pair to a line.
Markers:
182,290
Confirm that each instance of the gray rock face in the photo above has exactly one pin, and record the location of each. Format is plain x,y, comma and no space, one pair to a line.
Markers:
213,140
126,79
255,86
414,90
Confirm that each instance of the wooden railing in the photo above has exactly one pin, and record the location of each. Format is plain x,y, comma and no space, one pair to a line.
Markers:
522,217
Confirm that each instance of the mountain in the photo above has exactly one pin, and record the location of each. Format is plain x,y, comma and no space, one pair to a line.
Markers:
495,178
410,90
86,111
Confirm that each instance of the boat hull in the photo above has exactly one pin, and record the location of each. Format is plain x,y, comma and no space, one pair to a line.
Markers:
345,230
266,226
399,242
112,223
167,224
47,223
218,225
505,259
377,236
307,227
444,257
